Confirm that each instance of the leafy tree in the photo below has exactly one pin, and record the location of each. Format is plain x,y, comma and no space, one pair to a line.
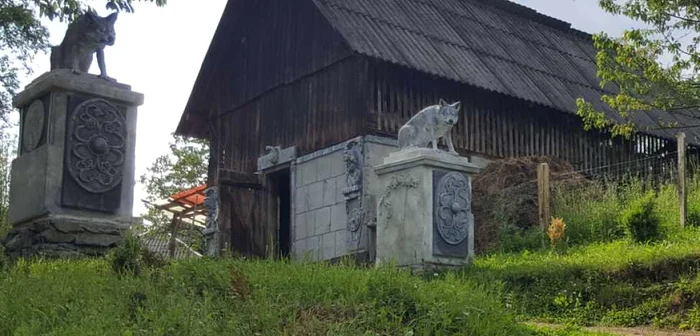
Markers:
22,36
655,67
7,152
183,168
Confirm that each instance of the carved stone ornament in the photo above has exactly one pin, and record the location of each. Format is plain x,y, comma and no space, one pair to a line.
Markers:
33,126
353,168
405,181
211,203
274,153
96,145
453,207
355,216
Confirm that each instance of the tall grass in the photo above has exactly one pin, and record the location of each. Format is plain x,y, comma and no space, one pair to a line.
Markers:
234,297
619,283
594,211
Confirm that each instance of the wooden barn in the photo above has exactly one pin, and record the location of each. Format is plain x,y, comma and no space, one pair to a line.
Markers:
301,98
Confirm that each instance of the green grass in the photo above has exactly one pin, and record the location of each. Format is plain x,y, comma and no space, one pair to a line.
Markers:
234,297
619,283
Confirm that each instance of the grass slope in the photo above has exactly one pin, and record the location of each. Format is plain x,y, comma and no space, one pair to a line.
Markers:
617,284
205,297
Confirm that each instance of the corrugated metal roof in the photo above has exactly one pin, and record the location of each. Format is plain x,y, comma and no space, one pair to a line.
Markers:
495,45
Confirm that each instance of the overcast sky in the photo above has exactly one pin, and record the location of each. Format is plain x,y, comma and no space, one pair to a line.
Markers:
159,51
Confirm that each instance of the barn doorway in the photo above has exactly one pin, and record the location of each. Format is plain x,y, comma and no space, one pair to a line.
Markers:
280,181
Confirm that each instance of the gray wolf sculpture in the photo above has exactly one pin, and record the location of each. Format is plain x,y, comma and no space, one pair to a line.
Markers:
88,34
430,124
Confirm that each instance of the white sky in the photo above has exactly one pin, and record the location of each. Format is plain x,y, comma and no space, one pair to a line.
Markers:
159,51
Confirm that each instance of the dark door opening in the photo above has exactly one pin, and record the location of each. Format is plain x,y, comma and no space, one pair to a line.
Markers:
281,180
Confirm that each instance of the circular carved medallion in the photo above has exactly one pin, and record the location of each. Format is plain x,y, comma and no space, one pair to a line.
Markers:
453,207
354,219
33,126
97,139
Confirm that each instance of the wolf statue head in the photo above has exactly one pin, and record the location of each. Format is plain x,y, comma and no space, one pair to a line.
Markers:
449,113
99,30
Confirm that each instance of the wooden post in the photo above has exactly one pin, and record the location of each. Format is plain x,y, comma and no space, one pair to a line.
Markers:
172,243
543,190
682,195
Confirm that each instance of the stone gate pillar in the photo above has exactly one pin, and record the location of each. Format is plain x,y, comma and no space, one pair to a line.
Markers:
72,184
424,217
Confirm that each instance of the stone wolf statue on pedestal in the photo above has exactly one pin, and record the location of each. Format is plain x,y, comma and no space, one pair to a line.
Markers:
429,125
88,34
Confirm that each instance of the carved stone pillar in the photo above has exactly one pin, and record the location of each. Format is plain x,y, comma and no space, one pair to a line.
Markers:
72,184
211,233
424,217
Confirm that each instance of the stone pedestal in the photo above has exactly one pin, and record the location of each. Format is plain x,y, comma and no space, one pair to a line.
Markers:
72,183
424,216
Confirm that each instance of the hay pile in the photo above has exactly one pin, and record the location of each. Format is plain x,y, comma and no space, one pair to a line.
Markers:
506,192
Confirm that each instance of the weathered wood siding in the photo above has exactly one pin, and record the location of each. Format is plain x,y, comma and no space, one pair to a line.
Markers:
275,44
311,113
498,126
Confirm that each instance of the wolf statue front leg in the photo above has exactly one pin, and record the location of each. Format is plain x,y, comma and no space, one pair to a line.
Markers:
435,143
101,63
450,145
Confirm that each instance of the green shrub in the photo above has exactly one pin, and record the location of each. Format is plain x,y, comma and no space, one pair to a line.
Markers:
512,239
590,210
128,258
693,191
642,220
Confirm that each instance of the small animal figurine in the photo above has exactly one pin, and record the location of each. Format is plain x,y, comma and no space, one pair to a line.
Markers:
88,34
430,124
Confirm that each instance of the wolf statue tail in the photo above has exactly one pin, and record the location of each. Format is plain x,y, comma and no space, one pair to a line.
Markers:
56,57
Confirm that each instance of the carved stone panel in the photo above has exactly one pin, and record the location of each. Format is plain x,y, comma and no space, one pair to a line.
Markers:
211,203
95,152
33,126
353,169
451,213
355,214
96,145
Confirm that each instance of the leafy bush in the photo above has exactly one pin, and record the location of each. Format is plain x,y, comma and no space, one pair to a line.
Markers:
128,258
591,211
642,220
514,239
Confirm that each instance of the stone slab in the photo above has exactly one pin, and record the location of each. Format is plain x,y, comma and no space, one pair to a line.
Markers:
66,80
28,186
270,160
405,159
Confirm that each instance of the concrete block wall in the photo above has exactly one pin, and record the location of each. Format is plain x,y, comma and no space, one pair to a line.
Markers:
319,223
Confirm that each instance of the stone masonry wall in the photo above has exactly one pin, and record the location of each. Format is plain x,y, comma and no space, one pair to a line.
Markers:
320,221
319,224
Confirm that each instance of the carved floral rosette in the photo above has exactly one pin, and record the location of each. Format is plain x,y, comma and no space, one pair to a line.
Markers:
453,207
96,145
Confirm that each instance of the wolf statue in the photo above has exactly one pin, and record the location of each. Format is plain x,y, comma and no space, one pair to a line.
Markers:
88,34
429,125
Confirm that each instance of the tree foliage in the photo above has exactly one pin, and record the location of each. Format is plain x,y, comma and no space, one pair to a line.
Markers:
184,167
651,68
22,36
7,152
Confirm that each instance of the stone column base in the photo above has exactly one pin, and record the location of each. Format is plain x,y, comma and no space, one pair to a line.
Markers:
211,242
64,237
424,218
